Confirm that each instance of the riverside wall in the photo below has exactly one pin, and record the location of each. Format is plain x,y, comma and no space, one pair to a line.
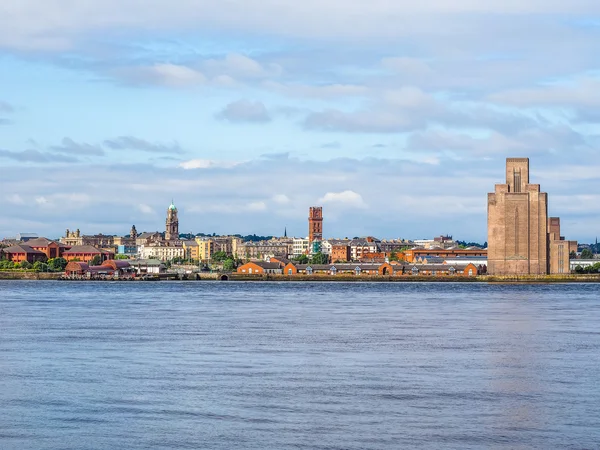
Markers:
572,278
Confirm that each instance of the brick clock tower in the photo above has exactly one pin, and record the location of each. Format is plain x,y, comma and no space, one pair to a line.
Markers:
315,227
172,229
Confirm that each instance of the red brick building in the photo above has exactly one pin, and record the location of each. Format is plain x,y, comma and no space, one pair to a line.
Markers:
52,249
22,252
260,268
413,254
85,253
340,252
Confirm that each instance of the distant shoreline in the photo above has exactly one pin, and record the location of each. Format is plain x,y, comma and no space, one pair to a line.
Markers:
526,279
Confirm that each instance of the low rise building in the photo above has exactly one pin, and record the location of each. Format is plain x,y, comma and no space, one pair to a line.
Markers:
300,246
52,249
260,268
22,252
192,250
163,251
86,253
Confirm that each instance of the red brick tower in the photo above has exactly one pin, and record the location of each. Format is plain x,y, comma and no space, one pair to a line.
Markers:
315,223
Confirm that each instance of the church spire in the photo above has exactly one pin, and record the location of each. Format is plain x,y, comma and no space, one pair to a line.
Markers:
285,232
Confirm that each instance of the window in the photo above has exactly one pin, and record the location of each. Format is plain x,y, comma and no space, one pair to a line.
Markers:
289,271
470,272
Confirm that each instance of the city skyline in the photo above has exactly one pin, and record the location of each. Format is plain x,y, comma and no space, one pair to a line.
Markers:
393,117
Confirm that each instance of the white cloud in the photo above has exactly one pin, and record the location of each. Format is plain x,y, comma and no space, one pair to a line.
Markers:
146,209
349,198
281,199
15,199
256,206
48,25
172,75
41,200
236,65
207,164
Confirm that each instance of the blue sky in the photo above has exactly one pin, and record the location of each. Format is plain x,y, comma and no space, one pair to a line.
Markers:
395,117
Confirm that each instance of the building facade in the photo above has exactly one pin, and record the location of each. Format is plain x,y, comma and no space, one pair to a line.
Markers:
172,224
315,227
522,240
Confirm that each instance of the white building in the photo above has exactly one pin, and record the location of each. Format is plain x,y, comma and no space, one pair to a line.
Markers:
300,246
161,252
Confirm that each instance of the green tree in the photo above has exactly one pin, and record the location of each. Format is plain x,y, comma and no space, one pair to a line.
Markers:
586,253
57,264
572,255
121,256
219,256
319,258
40,266
25,265
302,259
228,265
96,260
393,256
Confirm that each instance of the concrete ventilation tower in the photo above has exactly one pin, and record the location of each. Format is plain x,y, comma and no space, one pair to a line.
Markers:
172,229
315,227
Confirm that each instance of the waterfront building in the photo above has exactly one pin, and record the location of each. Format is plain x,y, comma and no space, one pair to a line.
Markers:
340,250
147,238
164,251
85,253
300,246
148,266
192,250
361,246
206,247
264,249
23,252
414,254
522,238
75,238
260,268
51,249
112,268
436,242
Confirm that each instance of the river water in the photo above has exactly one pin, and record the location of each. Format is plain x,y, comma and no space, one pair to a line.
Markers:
224,365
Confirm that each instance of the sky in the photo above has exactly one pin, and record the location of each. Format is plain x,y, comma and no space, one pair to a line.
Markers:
395,116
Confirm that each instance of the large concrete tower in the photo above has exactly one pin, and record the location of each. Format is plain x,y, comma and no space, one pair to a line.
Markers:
517,224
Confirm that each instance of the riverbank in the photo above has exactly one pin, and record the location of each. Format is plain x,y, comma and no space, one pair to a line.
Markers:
571,278
21,275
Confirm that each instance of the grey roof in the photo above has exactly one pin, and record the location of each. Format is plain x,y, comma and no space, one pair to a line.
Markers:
267,265
440,267
22,248
432,259
40,242
145,262
147,234
21,236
